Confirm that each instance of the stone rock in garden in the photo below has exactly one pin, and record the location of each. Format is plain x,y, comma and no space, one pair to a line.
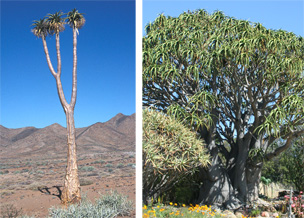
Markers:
272,209
238,214
262,202
275,214
229,214
265,214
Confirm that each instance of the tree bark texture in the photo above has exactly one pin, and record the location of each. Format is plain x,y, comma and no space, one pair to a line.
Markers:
71,189
235,183
229,189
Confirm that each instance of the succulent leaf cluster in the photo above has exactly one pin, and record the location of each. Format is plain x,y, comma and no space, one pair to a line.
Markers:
170,152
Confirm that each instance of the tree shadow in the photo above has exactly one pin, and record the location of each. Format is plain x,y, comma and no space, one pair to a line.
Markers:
54,190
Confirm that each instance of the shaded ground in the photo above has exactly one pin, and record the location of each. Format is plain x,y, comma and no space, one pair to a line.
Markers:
33,183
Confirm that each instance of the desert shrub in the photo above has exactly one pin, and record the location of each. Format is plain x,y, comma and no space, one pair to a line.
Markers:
10,211
87,168
171,151
131,165
98,161
4,172
109,165
120,165
40,172
84,182
111,205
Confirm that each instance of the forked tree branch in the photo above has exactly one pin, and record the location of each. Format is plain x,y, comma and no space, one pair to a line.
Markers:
74,86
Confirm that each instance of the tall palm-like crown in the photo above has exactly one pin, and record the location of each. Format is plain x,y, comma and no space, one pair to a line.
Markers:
41,28
56,22
75,19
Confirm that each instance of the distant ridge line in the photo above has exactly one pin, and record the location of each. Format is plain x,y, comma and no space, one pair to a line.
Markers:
117,134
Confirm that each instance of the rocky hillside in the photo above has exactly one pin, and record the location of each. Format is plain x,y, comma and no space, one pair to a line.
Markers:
117,134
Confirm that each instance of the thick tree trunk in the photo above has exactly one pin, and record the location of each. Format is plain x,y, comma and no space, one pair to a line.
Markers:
220,190
71,190
217,189
232,187
253,176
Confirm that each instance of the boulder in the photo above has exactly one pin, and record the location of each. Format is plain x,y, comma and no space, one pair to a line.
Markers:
265,214
229,214
239,215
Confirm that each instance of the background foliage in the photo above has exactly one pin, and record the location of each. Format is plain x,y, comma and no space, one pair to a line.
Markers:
288,168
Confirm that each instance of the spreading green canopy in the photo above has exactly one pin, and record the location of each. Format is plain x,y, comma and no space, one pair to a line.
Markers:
238,84
208,65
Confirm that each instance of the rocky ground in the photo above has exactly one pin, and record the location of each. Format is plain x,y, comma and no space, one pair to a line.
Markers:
32,185
33,163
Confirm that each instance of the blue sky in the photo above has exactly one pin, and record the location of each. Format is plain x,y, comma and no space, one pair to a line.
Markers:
106,64
284,14
106,54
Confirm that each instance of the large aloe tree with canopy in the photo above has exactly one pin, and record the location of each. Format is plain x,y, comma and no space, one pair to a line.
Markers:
238,84
53,24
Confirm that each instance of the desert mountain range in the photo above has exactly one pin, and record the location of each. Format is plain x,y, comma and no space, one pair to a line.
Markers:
117,134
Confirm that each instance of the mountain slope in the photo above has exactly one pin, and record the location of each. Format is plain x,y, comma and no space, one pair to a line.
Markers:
117,134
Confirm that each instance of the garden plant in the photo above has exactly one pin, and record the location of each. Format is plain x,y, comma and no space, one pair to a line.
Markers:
297,204
171,151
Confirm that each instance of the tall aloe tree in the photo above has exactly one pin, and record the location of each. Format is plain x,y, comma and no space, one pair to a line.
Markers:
53,24
238,84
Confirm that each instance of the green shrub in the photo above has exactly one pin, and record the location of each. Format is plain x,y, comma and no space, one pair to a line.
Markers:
4,172
40,171
171,151
294,162
111,205
255,212
87,168
131,165
120,165
288,167
10,211
98,161
84,182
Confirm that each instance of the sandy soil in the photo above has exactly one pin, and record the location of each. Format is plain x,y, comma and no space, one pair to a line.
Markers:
32,183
